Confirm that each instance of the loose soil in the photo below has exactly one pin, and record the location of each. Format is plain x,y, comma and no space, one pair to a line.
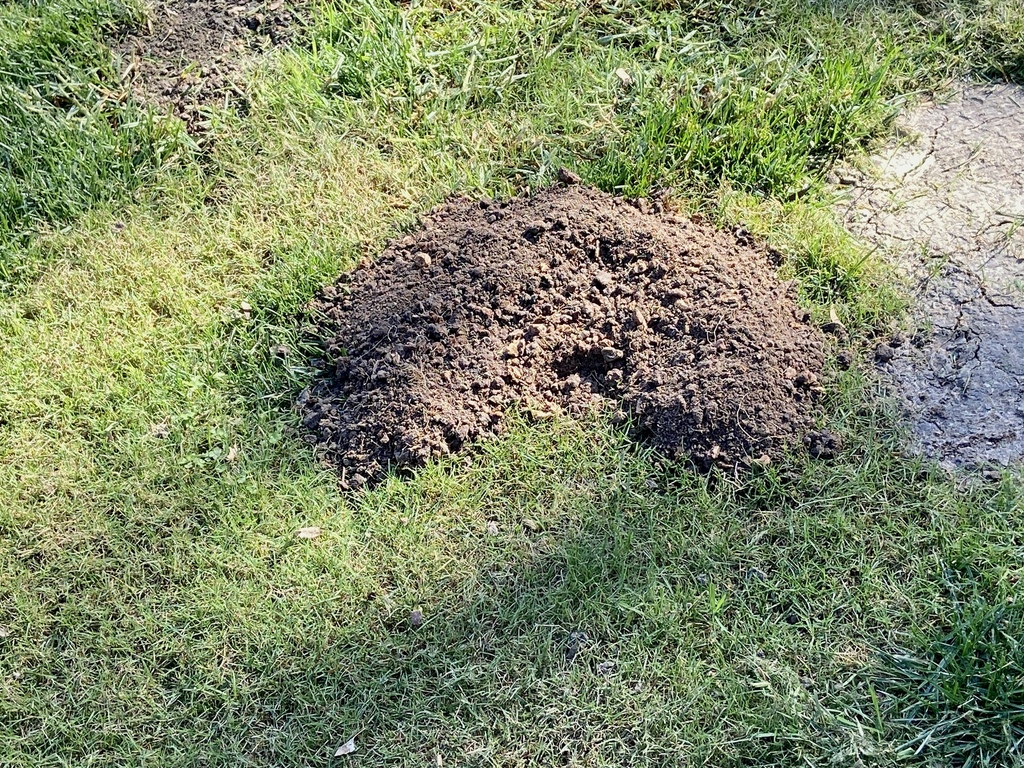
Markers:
946,204
191,53
556,304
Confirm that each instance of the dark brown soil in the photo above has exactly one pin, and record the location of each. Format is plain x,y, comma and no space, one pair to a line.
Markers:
556,304
190,53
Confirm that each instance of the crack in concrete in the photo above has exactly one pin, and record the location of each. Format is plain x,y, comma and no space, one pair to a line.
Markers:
955,197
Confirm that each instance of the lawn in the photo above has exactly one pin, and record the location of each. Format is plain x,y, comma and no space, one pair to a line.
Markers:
583,602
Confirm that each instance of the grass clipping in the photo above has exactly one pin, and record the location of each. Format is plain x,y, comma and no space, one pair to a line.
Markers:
558,303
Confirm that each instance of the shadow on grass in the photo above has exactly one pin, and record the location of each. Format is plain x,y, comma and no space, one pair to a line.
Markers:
583,604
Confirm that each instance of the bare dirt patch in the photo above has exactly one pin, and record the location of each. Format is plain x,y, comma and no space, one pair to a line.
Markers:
946,204
558,303
192,53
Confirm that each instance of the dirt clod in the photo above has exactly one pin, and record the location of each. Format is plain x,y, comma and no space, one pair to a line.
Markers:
568,177
556,304
823,445
884,353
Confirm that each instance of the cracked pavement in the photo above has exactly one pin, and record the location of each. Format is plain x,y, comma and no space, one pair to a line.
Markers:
945,203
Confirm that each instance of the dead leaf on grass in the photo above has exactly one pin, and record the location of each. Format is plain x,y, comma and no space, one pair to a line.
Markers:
834,325
347,748
310,532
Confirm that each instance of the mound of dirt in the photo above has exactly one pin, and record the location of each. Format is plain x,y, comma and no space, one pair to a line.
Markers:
190,53
558,303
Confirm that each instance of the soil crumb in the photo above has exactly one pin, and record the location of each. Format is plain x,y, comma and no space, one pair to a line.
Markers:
558,303
946,204
189,54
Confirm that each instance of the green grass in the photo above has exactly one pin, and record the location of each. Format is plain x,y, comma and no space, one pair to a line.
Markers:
68,139
961,695
156,605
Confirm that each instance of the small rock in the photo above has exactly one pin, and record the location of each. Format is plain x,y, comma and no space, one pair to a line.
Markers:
603,280
416,618
422,259
492,528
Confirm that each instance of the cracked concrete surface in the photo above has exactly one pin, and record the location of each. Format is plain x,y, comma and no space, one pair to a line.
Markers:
946,203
